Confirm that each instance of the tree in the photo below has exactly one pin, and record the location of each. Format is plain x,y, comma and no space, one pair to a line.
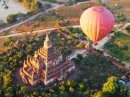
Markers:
48,5
127,28
1,22
99,94
42,18
9,92
71,89
110,86
80,56
21,15
128,93
81,45
26,2
62,88
6,80
81,86
30,13
87,93
20,54
12,18
35,6
29,48
63,94
112,79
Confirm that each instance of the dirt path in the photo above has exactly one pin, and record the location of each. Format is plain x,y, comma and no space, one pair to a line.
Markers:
54,6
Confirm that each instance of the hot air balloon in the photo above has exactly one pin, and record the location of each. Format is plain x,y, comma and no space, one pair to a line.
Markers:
96,22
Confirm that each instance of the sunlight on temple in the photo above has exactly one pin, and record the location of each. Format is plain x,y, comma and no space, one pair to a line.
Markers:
46,66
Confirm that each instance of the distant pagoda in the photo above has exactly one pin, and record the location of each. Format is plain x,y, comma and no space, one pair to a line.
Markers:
46,66
17,44
89,46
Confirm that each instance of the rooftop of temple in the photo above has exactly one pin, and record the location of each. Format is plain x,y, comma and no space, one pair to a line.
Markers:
46,66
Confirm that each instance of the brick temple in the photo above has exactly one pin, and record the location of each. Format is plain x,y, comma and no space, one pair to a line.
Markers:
46,66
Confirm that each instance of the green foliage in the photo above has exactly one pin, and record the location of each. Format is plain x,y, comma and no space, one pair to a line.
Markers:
20,0
21,15
99,94
119,46
94,71
73,32
97,70
26,2
69,1
120,17
1,22
4,33
122,88
6,7
98,50
111,88
80,56
30,13
81,45
35,6
42,18
6,79
51,0
128,93
71,89
11,59
128,28
64,45
112,79
12,18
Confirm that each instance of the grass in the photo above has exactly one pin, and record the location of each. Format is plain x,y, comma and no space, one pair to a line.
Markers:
119,46
65,14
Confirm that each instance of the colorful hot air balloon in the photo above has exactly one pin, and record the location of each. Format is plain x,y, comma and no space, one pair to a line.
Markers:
96,22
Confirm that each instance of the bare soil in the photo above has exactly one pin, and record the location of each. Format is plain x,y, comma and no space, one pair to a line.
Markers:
2,48
68,14
125,4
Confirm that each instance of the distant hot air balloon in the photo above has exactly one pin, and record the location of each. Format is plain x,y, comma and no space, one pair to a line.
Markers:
96,22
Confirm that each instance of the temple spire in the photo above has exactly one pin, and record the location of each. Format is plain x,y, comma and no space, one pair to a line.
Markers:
47,38
47,42
88,46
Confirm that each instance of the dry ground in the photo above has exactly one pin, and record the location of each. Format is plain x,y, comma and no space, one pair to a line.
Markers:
125,4
2,48
71,14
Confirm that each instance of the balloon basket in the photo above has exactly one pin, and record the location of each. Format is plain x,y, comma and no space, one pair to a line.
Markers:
95,44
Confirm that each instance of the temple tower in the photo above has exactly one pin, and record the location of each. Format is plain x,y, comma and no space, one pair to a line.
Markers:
46,66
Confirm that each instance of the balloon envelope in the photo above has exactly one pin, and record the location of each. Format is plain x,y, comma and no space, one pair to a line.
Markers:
96,22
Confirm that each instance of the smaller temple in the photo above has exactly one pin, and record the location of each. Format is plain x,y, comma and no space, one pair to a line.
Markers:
17,44
116,5
89,46
46,66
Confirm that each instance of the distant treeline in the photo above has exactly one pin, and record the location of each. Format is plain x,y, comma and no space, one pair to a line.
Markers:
74,1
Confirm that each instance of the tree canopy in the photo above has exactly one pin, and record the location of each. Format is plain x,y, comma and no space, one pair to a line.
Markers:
12,18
